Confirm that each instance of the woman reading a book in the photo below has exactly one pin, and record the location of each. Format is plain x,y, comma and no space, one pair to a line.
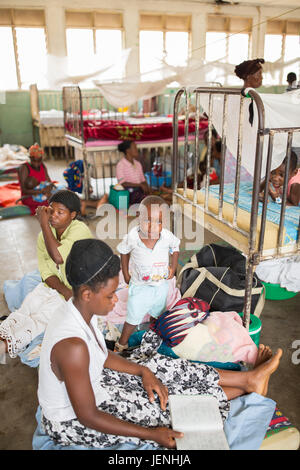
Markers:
93,397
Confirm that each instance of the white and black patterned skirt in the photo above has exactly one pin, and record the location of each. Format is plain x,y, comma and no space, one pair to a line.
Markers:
129,401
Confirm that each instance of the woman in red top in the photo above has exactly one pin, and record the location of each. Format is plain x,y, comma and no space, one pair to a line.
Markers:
38,170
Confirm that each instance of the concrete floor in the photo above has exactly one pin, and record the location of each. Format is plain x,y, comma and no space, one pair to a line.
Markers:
18,383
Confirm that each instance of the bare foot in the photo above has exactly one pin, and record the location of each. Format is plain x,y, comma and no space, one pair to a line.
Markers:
102,201
260,375
263,355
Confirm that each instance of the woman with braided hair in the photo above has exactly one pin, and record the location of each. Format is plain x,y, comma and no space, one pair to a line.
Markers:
251,72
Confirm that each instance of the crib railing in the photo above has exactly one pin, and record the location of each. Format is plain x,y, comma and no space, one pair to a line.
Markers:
255,247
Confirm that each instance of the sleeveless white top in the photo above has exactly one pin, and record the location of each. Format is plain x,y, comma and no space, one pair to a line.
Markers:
67,322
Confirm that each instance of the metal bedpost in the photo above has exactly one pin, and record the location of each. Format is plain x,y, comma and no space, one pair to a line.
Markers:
208,153
250,263
266,193
175,154
196,159
186,140
224,130
64,101
86,178
285,185
238,163
253,256
175,141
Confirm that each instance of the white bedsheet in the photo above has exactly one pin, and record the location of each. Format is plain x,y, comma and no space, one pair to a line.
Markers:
10,158
281,110
283,271
52,117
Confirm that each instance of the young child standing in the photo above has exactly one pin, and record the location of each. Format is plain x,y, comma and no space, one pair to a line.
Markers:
145,265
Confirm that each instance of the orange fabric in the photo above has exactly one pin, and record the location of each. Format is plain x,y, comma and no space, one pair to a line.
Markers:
9,194
36,151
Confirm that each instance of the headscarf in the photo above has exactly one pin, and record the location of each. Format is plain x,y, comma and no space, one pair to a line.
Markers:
36,151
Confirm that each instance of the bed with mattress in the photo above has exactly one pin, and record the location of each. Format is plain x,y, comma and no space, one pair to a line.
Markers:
260,230
47,114
96,140
241,238
47,120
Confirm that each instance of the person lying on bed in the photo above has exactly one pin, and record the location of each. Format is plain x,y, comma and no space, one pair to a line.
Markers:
60,230
275,186
93,397
215,165
35,169
166,193
130,174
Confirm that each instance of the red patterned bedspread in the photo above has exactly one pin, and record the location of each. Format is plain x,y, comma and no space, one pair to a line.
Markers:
121,130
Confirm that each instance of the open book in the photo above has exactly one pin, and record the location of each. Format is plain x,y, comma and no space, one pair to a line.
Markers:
199,418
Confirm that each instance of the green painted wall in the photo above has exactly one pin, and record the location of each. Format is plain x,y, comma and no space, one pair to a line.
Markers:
272,89
15,116
15,119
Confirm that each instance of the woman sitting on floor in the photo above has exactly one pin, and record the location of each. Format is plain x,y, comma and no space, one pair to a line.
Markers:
60,230
93,397
129,173
35,169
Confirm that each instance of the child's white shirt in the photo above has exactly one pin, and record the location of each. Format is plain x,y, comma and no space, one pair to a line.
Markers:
146,265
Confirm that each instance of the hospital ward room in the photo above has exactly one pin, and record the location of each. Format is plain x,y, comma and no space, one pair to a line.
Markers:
149,227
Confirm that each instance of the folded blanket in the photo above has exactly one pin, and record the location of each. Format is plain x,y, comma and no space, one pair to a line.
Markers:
219,338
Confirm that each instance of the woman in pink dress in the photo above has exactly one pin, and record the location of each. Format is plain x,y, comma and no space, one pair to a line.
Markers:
130,174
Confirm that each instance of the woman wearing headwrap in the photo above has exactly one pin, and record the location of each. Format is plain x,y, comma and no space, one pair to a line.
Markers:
92,397
60,230
35,169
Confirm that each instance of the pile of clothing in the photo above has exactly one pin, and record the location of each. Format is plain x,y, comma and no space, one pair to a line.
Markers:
12,156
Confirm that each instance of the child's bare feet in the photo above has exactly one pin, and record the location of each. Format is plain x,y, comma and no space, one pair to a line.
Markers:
260,375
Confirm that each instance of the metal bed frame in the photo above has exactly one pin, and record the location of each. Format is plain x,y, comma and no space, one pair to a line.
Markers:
255,252
101,160
52,137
